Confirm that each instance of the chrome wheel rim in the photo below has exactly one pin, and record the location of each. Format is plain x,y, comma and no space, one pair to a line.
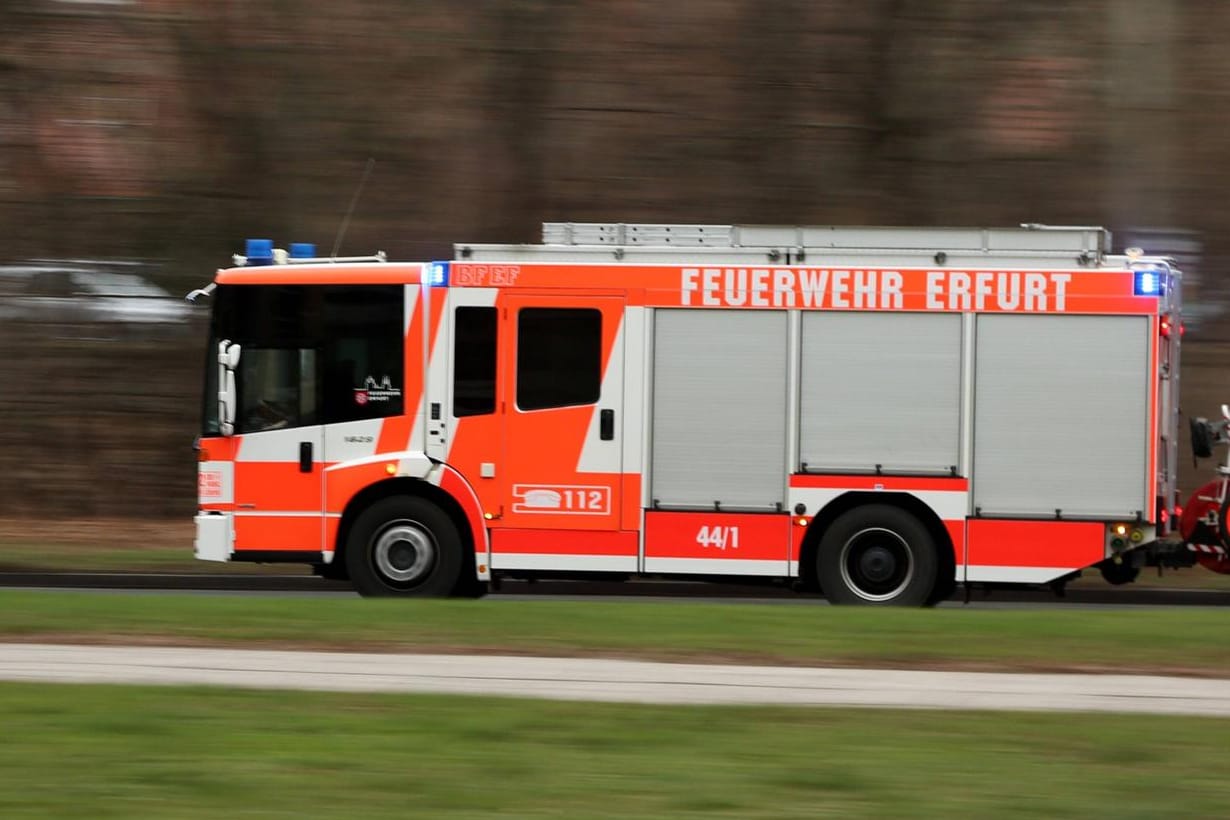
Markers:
404,552
876,564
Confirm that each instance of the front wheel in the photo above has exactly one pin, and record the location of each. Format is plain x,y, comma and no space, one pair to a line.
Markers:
877,555
404,546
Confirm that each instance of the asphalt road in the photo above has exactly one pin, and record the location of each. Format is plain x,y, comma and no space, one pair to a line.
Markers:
612,680
649,589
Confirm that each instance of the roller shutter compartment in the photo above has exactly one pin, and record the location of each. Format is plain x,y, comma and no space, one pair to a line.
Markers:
880,389
1061,415
719,409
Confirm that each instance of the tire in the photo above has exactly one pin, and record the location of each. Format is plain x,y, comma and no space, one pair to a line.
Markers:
944,588
404,546
1118,574
877,555
468,585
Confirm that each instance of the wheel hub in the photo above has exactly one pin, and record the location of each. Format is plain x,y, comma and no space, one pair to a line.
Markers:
876,564
404,552
402,555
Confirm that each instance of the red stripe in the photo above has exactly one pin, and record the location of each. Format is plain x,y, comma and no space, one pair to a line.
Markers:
718,535
1071,544
1155,338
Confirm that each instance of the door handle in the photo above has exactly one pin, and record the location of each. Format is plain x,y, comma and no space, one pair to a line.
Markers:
305,456
606,425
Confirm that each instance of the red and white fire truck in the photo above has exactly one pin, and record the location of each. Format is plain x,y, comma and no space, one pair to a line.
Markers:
880,413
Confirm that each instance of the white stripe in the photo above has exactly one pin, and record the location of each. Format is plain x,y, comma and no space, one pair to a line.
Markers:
349,440
278,514
411,302
591,563
276,446
408,463
633,412
599,456
1015,575
949,505
717,566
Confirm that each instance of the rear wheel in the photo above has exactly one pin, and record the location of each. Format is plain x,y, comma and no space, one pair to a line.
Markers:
877,555
404,546
1120,573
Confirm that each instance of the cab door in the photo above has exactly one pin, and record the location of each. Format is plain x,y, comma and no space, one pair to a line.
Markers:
562,415
279,451
278,463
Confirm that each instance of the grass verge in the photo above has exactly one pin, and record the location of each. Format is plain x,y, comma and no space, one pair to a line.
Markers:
1178,641
103,751
113,545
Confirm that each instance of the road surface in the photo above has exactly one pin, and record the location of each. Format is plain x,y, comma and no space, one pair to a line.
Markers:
612,680
650,590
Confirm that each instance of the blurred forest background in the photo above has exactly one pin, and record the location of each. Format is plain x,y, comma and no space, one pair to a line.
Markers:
166,131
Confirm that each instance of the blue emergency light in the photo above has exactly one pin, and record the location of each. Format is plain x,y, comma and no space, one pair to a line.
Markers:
259,251
1148,282
302,250
437,274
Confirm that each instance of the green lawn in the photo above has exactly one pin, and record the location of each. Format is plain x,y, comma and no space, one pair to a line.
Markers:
1186,640
23,556
15,556
103,752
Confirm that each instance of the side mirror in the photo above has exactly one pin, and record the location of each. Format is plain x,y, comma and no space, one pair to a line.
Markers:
228,361
228,354
199,292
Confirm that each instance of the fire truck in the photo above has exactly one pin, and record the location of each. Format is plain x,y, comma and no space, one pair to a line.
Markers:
881,414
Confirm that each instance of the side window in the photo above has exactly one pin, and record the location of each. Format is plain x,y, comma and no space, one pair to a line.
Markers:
277,388
363,349
559,357
474,357
278,379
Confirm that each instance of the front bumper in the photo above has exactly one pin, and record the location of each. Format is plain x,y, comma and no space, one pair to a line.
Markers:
215,536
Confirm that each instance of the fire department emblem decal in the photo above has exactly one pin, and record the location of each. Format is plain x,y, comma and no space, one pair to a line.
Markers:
373,391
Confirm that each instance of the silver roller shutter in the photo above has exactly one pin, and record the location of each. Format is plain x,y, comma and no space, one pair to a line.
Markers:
719,408
880,389
1060,415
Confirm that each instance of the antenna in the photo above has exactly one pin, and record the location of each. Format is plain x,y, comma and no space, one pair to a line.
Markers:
341,231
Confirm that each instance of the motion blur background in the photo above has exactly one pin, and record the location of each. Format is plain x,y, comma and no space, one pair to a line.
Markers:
142,140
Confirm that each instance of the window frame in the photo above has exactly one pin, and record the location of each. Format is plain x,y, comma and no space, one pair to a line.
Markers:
492,314
593,340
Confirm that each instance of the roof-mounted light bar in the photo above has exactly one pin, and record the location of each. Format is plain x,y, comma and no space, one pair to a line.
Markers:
262,252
